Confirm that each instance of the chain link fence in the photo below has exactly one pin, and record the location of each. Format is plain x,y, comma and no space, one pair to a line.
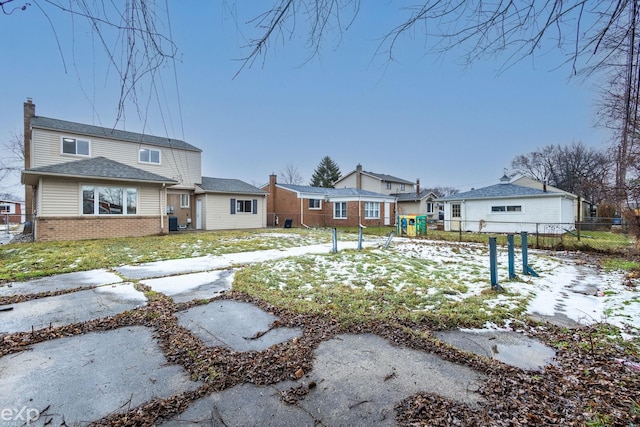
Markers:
15,228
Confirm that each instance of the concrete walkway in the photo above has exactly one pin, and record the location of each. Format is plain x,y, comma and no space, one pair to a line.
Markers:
358,379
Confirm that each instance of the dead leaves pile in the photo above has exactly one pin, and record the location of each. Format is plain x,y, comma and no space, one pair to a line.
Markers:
585,385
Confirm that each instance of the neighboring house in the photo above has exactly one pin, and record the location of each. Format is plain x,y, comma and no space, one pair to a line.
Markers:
375,182
229,204
509,208
311,206
10,212
88,182
419,203
587,209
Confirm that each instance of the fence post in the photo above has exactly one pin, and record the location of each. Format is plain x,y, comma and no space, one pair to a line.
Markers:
537,236
525,255
334,238
511,250
493,263
360,238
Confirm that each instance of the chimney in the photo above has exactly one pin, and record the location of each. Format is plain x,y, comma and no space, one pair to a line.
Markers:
29,110
359,176
418,187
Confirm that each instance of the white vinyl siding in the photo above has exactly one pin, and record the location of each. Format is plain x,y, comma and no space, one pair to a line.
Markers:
63,197
178,164
219,217
546,210
59,198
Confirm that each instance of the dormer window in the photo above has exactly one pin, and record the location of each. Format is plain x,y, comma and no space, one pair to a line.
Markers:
75,147
149,155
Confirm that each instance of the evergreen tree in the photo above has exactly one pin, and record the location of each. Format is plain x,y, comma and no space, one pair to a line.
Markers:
326,174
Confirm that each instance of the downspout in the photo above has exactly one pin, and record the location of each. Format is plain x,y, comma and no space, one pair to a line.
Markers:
163,195
302,214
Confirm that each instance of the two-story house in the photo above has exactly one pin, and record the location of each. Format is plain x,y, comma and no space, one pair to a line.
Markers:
86,182
410,199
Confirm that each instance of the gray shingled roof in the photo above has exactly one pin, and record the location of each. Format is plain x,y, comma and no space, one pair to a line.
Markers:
82,129
332,192
224,185
388,178
500,191
404,197
99,167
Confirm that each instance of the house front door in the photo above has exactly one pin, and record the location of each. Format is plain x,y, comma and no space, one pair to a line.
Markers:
456,216
198,214
387,213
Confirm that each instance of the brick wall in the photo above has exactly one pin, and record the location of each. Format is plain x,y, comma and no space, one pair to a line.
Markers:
84,228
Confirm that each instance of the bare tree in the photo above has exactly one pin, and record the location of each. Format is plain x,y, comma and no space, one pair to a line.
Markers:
574,168
137,40
442,191
290,175
12,160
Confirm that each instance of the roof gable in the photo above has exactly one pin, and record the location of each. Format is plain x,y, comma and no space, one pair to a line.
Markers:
108,133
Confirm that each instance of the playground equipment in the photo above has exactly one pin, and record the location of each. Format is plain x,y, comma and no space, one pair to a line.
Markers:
412,225
493,259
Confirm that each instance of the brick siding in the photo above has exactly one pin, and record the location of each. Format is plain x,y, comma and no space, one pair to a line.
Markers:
85,228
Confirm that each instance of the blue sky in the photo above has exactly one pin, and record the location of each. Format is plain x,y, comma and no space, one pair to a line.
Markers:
423,116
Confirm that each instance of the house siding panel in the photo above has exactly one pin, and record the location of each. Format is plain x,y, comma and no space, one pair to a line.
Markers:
539,214
59,198
219,216
181,165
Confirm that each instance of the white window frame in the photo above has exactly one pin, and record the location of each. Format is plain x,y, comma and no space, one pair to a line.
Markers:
241,204
315,208
184,200
388,185
75,146
430,207
505,209
103,207
339,210
371,210
402,187
149,151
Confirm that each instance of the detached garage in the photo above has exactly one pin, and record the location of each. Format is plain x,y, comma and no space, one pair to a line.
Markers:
511,208
226,204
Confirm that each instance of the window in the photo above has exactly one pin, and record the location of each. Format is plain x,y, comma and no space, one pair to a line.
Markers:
110,200
401,187
244,206
429,207
315,204
340,209
76,147
5,209
371,210
149,155
184,200
388,186
456,212
512,208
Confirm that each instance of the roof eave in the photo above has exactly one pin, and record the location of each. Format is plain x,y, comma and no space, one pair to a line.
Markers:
32,177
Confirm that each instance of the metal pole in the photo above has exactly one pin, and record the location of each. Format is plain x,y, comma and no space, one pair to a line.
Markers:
493,262
334,237
359,238
525,255
510,247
